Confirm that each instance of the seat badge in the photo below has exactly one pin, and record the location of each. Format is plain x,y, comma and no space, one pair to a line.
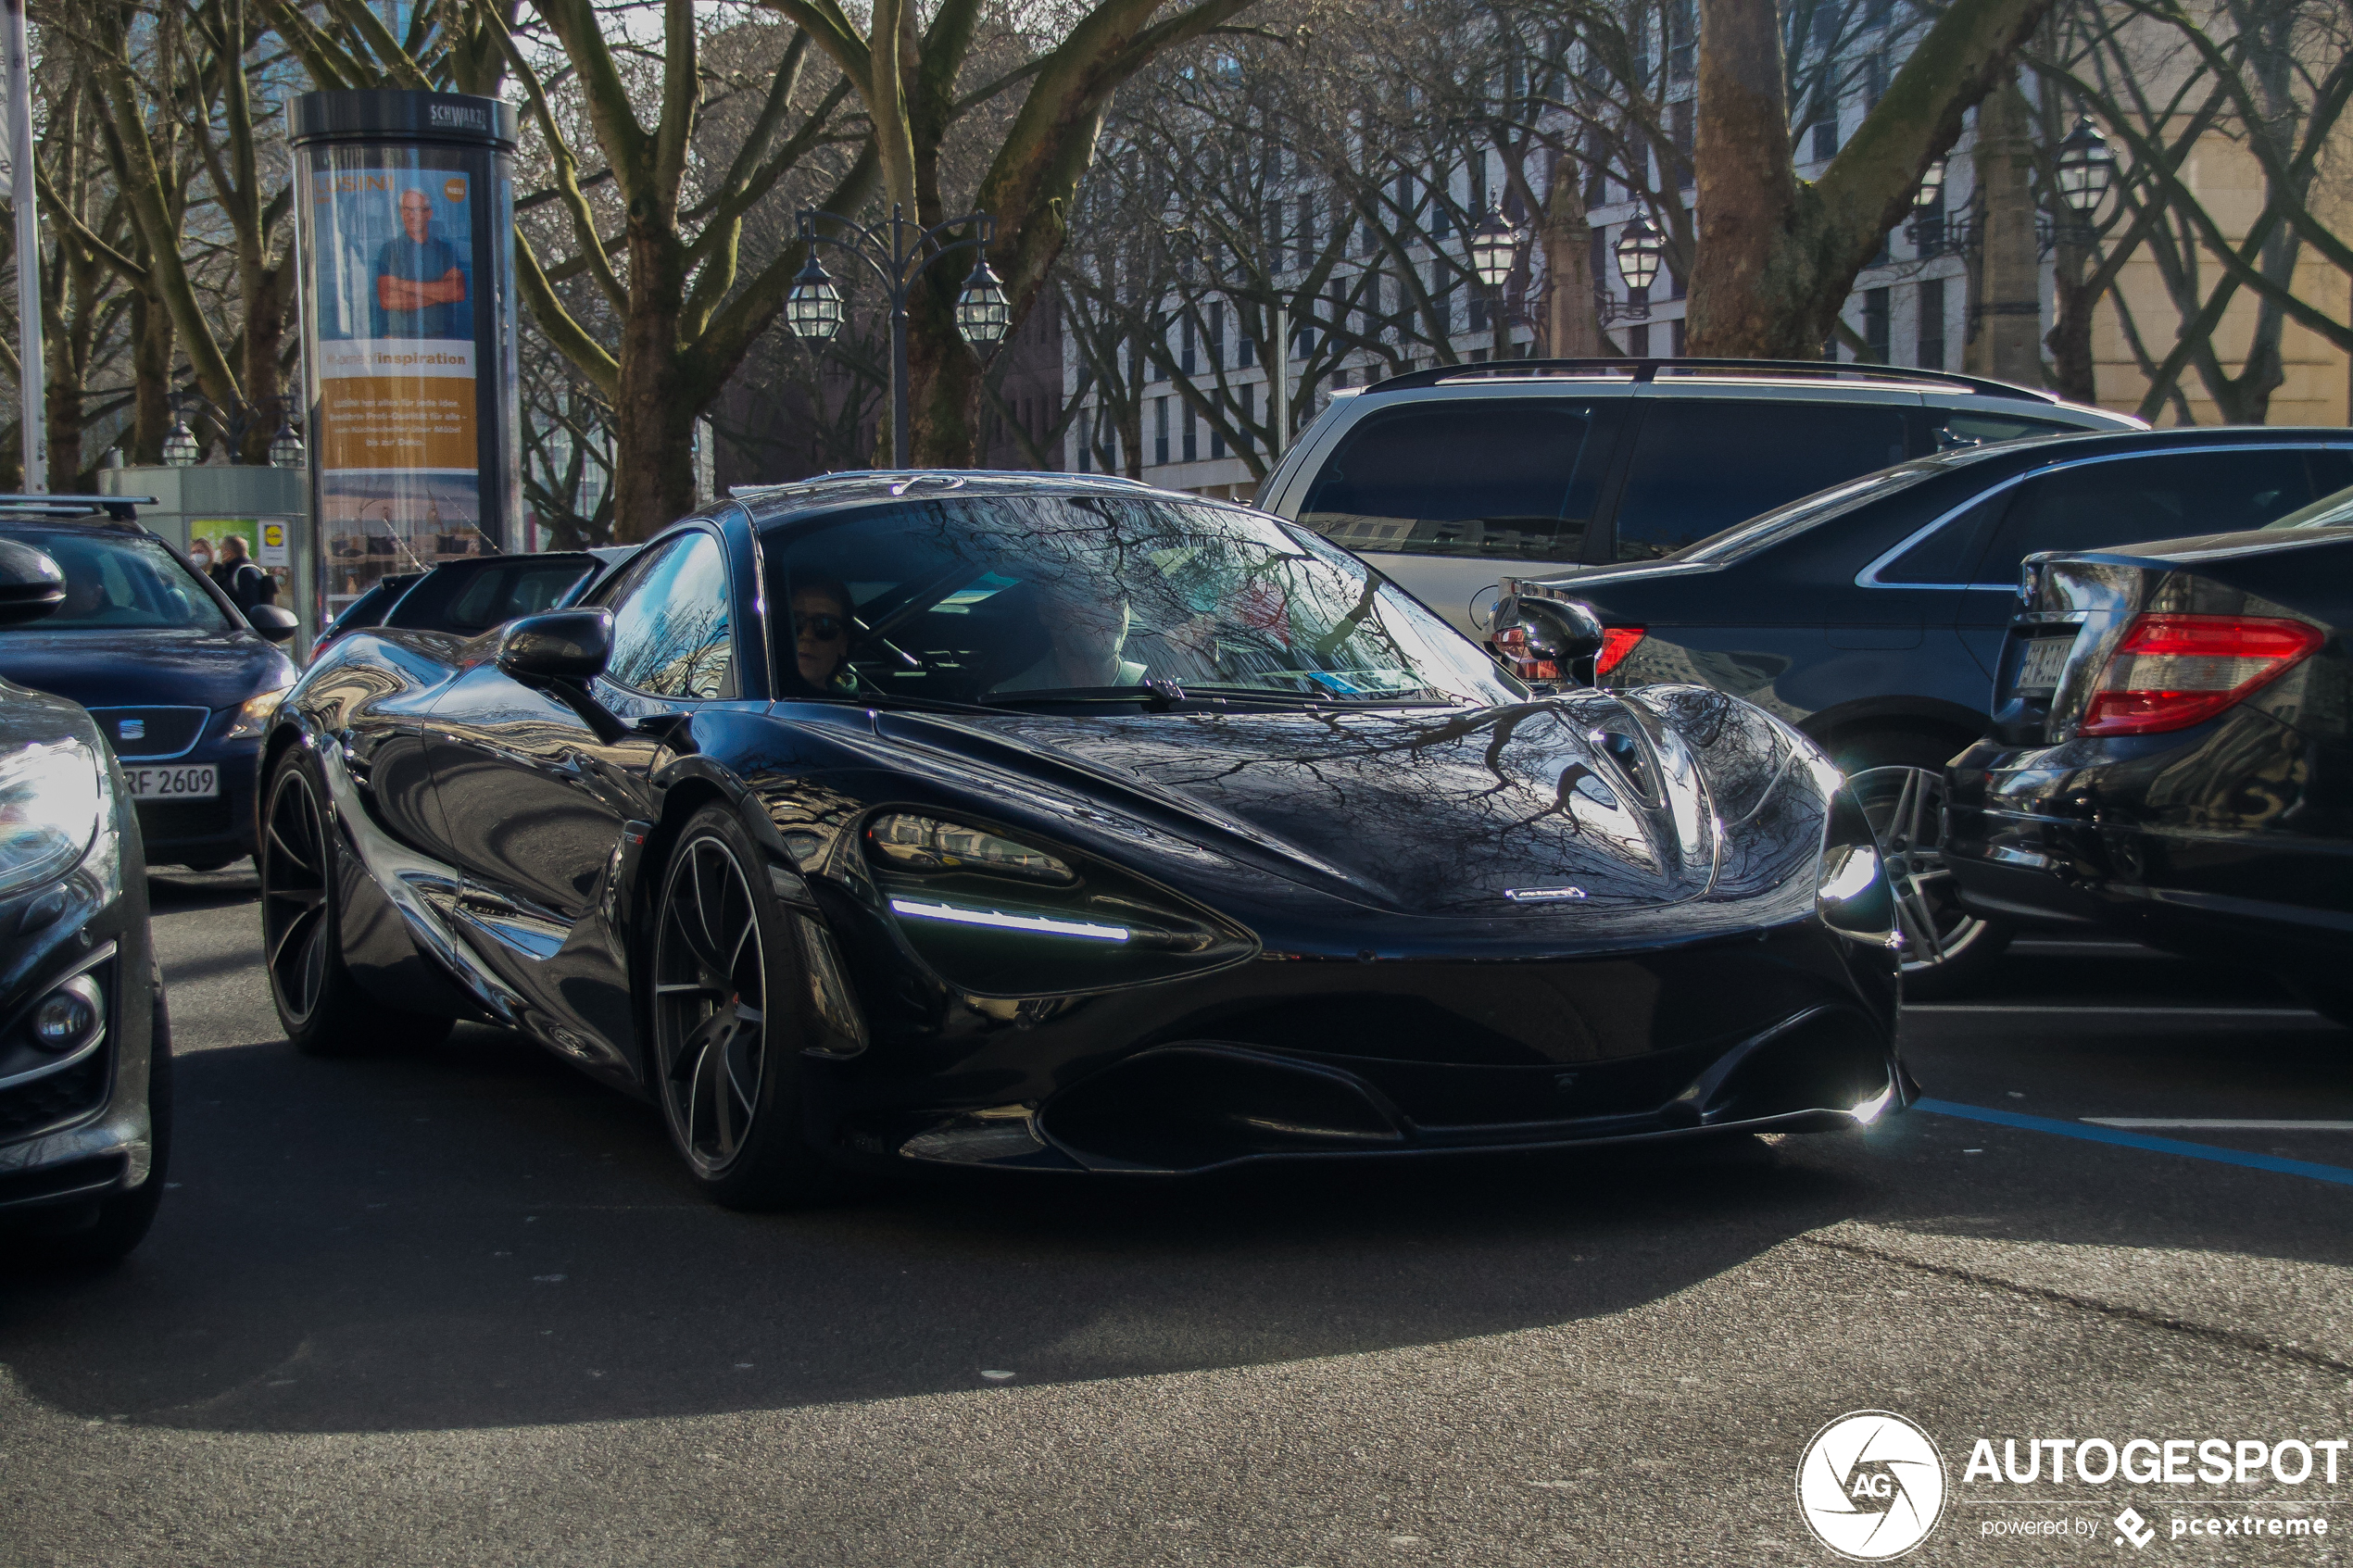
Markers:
1543,895
131,729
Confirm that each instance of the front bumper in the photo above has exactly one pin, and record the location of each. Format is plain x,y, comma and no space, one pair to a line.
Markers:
204,833
1791,1029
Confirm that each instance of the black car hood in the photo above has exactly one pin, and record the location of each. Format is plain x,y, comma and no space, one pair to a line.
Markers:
1438,812
143,667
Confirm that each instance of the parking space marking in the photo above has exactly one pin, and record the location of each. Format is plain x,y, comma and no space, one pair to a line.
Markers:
2223,1123
2339,1175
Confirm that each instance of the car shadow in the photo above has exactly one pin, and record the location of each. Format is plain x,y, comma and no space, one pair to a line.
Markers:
475,1235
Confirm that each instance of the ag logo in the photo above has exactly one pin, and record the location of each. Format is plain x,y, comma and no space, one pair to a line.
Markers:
1871,1485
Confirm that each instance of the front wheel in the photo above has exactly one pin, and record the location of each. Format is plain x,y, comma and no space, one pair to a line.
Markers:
1899,783
319,1005
726,1035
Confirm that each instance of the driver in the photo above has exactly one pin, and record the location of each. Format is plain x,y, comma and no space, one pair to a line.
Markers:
1086,635
821,625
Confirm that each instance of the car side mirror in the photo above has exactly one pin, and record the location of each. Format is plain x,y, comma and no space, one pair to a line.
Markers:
557,645
273,623
31,583
1561,630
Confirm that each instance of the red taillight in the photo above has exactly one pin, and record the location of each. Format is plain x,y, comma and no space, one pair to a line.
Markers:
1616,643
2175,671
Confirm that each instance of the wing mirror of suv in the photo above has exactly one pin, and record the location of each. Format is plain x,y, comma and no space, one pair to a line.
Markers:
273,623
559,645
31,583
1561,630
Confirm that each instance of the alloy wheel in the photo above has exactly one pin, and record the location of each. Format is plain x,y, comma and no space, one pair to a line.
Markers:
294,897
1905,807
709,1012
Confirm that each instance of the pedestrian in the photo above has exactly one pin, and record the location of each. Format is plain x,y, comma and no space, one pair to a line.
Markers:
244,583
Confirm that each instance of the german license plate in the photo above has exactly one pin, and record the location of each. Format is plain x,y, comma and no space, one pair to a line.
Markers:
173,784
2045,657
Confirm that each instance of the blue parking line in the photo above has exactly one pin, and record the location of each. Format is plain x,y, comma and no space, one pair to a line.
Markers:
2337,1173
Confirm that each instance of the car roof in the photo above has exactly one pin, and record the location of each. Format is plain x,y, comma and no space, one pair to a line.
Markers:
770,505
1782,378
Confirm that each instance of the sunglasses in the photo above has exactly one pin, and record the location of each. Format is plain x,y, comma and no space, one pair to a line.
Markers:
822,628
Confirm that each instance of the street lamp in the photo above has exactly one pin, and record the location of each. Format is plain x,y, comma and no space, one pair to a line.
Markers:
1638,249
286,447
1495,249
897,252
2086,168
180,448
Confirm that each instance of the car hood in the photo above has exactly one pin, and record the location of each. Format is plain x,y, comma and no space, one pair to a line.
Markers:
137,669
1439,812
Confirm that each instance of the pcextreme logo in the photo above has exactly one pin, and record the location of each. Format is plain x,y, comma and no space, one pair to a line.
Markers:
1871,1485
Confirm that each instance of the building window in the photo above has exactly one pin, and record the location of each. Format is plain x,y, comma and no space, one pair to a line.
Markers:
1193,449
1249,413
1932,336
1217,441
1686,133
1824,135
1160,429
1216,336
1307,231
1676,337
1875,326
1185,343
1638,340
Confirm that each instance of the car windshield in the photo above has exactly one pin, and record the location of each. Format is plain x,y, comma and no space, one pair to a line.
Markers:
119,581
2329,511
1805,512
1028,599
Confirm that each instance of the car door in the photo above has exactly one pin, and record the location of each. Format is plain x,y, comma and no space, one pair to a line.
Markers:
535,799
2131,498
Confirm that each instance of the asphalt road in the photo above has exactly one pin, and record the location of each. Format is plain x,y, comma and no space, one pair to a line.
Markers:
453,1306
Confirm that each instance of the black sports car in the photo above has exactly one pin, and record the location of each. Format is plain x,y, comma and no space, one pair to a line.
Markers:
1067,824
85,1052
2172,753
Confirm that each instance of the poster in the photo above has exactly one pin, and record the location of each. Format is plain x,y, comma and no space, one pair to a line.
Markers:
396,296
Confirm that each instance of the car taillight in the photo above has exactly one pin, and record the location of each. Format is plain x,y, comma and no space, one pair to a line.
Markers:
2175,671
1616,643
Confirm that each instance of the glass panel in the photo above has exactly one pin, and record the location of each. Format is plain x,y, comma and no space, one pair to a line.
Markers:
1701,466
670,628
499,593
999,598
1516,481
1944,557
120,583
2097,506
1958,428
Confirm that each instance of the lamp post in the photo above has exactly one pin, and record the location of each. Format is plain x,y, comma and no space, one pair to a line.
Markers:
1493,249
896,252
180,448
286,447
1638,250
2086,168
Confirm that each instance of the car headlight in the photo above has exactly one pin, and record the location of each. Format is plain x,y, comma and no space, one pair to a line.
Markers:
255,713
49,800
1853,893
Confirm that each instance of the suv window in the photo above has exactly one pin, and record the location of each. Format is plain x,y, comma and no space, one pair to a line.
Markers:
670,624
1467,477
1701,465
1957,427
2170,496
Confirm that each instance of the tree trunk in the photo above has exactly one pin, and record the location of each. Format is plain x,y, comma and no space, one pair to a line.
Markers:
654,411
2007,342
151,354
943,371
1572,325
265,337
1746,200
2069,339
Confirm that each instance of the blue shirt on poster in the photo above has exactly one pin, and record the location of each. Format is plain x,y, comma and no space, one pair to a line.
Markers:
421,261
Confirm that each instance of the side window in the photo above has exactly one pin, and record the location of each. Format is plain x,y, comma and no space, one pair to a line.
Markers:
1943,559
1701,465
2098,506
521,587
1958,427
670,624
1467,476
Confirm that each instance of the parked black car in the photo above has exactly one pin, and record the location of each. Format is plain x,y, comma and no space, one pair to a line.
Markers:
1871,616
2172,755
85,1050
1065,824
180,680
473,593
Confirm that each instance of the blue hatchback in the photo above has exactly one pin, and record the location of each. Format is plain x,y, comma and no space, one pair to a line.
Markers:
179,682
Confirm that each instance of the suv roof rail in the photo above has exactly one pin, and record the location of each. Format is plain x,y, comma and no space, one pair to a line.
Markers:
65,508
1641,370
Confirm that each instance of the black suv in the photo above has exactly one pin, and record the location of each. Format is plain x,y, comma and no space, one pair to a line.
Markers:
1871,615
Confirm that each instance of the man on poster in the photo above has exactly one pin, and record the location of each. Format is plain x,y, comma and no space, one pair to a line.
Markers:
418,277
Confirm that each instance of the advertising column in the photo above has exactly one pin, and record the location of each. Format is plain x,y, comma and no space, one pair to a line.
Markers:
406,228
